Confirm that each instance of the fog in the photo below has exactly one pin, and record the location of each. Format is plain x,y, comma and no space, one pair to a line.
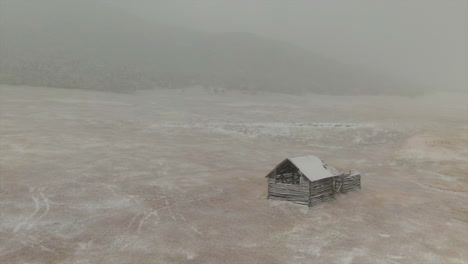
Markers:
235,131
335,47
424,41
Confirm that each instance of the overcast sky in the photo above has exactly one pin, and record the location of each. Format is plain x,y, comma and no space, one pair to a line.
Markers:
420,40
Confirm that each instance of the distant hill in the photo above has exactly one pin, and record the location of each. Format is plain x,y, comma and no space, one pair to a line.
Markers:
92,45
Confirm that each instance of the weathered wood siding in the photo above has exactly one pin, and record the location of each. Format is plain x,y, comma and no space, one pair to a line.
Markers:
321,191
350,182
289,192
307,192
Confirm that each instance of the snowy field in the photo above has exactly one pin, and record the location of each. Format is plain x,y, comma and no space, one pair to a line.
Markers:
178,177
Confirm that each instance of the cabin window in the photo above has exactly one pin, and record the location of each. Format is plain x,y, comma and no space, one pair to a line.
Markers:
289,178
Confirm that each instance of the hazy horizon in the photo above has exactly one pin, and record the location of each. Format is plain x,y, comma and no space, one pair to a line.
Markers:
412,44
422,41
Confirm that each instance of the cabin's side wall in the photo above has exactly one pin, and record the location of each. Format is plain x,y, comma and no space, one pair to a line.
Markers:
289,192
321,191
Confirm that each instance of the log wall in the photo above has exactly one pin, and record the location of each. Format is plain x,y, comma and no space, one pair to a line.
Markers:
288,192
321,191
350,182
311,193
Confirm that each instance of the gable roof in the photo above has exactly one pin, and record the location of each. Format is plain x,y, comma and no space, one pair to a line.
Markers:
312,167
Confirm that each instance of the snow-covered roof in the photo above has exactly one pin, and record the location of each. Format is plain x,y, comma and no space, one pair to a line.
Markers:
313,167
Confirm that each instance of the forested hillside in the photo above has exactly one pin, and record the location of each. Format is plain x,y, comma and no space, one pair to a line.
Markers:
93,45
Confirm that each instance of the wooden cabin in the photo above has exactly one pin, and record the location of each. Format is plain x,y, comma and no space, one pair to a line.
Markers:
308,180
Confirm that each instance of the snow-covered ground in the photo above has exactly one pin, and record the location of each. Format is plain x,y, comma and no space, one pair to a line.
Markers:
178,177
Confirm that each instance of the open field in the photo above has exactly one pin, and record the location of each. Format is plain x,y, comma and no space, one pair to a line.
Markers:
178,177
